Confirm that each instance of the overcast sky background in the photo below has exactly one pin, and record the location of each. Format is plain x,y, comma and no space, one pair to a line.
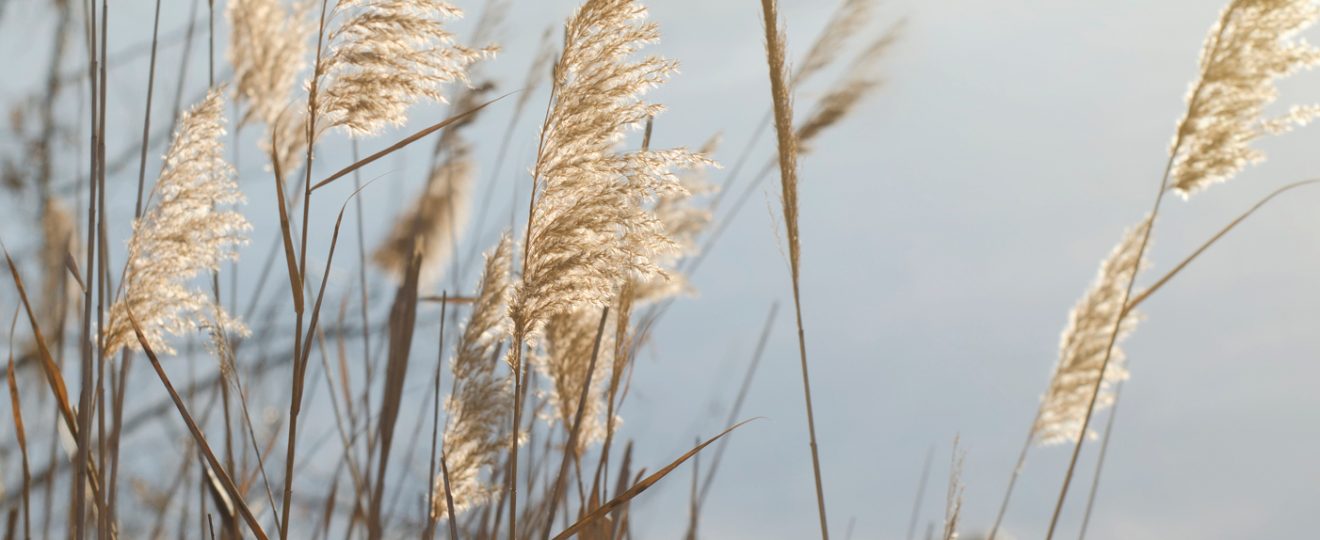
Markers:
947,229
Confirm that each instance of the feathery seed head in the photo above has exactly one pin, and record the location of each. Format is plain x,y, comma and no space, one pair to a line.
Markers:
476,432
268,49
1084,342
386,56
1251,46
188,231
589,226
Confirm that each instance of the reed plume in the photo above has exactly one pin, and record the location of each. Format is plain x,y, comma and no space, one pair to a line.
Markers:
683,221
436,218
188,231
590,227
1084,343
59,233
478,420
860,80
848,19
268,49
386,56
1253,45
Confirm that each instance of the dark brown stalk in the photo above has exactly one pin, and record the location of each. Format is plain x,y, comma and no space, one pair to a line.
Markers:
234,495
299,365
570,447
519,373
146,120
17,412
779,90
435,424
402,318
77,486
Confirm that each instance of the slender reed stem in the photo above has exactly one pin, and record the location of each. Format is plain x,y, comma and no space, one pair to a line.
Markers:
779,90
1100,462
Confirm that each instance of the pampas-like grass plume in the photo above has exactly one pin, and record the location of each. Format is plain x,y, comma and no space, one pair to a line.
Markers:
1250,47
848,19
569,340
386,56
437,217
478,418
683,222
187,232
1084,343
590,228
268,49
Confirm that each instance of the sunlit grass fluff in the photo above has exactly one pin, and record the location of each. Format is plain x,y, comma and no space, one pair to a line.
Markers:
1253,44
268,48
187,232
1084,343
590,225
386,56
478,421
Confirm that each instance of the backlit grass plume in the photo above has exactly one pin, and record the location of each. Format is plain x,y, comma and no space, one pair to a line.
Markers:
1251,46
187,232
268,48
386,56
590,227
1084,343
683,222
478,418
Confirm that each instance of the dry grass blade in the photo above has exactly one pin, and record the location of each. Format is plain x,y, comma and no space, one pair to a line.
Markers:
1141,297
403,143
403,315
638,487
216,467
736,409
17,412
53,374
286,234
570,448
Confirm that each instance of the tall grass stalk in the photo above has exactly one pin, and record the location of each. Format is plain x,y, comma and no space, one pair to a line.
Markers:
787,142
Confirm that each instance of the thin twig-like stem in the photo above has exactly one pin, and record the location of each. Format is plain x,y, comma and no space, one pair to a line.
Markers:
921,494
1012,479
1100,462
146,120
570,447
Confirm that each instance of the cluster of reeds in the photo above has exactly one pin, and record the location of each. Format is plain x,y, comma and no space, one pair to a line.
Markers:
539,354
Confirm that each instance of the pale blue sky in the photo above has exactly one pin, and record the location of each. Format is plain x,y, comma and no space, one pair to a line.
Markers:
947,229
